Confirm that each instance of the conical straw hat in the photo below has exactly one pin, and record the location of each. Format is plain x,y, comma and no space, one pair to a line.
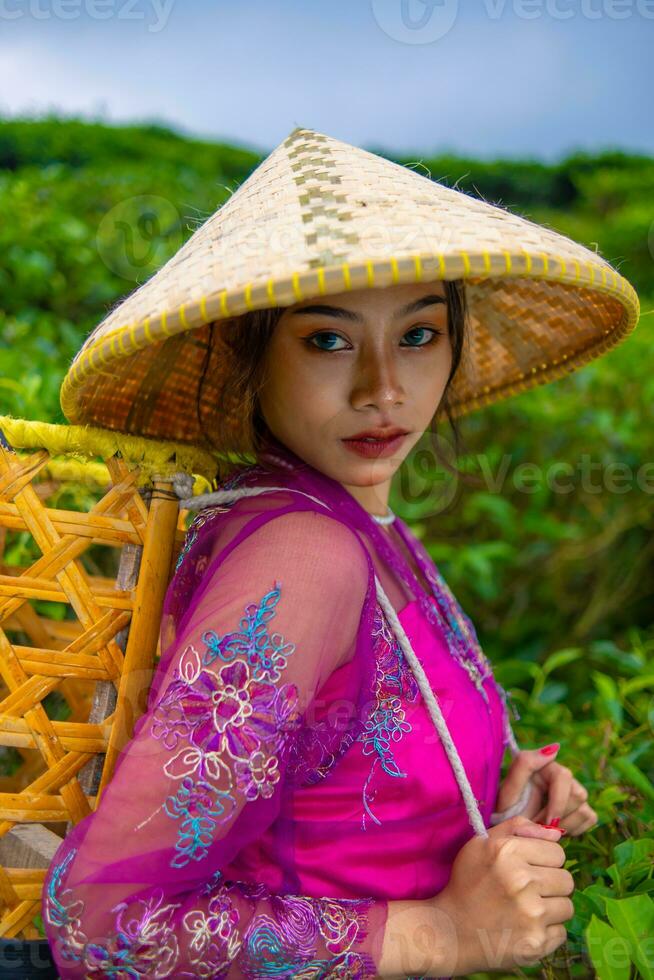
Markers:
320,216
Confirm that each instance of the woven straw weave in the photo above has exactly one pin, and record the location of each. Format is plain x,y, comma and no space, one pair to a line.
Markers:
320,216
97,659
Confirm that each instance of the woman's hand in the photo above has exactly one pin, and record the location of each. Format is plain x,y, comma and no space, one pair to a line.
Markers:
555,792
505,903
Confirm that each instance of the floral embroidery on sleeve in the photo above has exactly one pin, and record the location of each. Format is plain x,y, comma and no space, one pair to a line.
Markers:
236,712
224,720
148,937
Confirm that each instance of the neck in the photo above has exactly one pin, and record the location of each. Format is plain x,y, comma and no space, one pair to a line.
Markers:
374,499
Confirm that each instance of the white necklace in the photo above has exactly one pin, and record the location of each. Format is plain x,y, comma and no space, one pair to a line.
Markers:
387,518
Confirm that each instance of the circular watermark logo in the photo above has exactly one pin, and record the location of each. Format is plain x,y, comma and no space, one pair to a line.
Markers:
424,483
136,236
415,21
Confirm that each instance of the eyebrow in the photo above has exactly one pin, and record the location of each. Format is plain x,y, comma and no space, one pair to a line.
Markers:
342,314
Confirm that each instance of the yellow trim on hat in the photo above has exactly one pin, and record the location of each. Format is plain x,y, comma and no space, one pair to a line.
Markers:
286,291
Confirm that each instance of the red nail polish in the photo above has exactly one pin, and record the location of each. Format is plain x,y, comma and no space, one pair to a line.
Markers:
550,749
554,822
553,826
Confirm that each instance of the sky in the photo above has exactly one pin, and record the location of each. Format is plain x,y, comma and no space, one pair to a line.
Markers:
486,78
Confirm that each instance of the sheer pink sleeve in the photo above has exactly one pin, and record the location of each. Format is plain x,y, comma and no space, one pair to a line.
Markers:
136,889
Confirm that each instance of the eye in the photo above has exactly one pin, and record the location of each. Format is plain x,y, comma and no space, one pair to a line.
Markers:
324,335
433,333
327,340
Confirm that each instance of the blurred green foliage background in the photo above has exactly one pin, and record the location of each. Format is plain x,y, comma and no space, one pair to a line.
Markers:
558,579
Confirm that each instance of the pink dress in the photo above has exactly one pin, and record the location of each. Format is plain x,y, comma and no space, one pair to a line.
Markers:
286,780
391,803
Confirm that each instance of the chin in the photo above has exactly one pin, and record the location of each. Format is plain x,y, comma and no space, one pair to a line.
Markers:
367,473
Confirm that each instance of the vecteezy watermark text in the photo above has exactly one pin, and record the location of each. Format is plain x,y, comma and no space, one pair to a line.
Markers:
154,12
426,21
423,481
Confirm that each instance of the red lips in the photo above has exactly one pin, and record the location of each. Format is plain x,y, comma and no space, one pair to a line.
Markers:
388,433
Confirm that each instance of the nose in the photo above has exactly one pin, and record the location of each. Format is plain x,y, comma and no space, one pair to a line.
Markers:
377,383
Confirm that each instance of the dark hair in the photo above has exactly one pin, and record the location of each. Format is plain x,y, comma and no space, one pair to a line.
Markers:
246,337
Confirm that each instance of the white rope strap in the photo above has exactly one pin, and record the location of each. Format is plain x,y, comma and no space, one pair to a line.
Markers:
434,709
515,808
226,496
182,482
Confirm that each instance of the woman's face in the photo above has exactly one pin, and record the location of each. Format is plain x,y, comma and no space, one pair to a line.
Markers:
362,359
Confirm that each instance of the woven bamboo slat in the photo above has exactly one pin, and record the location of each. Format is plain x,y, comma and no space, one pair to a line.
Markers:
86,553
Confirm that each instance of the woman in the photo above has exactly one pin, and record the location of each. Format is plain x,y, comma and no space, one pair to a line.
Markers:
310,791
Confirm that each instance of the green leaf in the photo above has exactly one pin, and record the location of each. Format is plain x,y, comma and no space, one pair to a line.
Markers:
614,874
634,776
598,893
609,696
591,899
560,658
633,918
630,852
553,693
609,796
637,684
37,921
608,951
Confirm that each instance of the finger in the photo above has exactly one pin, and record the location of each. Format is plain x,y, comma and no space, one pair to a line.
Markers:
558,910
535,804
578,791
574,822
587,822
555,936
579,820
522,827
558,794
542,780
540,816
527,763
553,882
570,809
541,853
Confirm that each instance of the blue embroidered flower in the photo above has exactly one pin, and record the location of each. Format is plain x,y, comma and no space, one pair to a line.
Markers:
394,680
266,654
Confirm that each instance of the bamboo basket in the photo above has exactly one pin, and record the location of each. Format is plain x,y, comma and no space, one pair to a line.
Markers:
87,549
